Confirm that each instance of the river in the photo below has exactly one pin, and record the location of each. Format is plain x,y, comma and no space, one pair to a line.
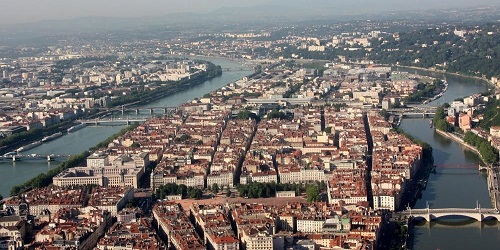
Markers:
14,173
456,183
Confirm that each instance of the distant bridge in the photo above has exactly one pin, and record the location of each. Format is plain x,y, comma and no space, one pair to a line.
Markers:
125,121
149,110
234,68
19,157
463,166
479,214
415,111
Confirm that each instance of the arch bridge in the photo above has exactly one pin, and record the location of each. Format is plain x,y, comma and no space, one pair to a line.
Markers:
479,214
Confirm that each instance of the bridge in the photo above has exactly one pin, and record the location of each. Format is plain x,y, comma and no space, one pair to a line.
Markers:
18,157
126,121
479,214
140,110
150,110
415,111
464,166
233,69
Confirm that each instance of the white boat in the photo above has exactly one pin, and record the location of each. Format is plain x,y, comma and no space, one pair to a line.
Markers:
77,127
29,146
52,137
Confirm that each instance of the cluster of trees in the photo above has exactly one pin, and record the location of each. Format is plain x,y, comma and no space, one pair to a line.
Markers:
216,189
385,114
425,91
276,114
313,193
483,146
266,190
440,122
174,189
293,89
257,190
491,118
245,115
491,114
45,179
476,54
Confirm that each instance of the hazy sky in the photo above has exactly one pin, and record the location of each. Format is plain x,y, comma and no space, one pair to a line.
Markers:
25,11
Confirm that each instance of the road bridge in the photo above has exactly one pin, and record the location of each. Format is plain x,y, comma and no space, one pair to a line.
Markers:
113,121
19,157
479,214
140,110
414,111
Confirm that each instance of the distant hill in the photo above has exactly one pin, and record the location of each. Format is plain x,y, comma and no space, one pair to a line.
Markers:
291,12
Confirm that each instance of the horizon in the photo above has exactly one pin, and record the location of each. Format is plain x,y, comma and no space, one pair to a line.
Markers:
36,11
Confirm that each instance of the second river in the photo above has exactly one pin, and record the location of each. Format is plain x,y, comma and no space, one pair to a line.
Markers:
457,182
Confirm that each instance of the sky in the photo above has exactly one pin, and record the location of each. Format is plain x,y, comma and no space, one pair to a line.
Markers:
28,11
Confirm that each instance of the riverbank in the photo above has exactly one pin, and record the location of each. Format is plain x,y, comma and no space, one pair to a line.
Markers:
45,179
461,142
174,99
27,138
450,73
492,171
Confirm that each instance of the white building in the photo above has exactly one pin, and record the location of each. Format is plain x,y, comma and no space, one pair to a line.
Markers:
124,170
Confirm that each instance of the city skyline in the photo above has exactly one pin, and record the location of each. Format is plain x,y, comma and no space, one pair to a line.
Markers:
30,11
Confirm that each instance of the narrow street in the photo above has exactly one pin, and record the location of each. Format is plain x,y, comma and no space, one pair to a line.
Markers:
368,160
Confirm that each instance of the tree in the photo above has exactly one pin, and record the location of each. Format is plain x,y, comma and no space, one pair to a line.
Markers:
215,188
276,114
243,115
384,114
312,193
1,197
185,137
228,192
328,130
194,193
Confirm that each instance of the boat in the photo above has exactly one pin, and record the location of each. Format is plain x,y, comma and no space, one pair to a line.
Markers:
52,137
430,123
29,146
77,127
10,154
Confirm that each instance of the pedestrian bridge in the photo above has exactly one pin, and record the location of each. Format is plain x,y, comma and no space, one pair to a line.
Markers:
479,214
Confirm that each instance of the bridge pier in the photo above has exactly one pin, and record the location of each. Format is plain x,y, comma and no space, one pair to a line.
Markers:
14,158
150,111
49,158
136,111
165,110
